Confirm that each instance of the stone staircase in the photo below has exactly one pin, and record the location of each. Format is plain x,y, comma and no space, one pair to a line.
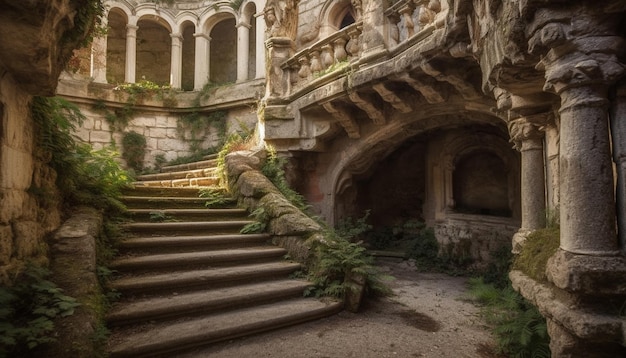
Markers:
191,279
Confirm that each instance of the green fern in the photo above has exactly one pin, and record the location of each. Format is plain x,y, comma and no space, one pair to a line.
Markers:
519,328
258,226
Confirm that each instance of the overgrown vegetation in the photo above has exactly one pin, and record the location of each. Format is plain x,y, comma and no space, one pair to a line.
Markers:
519,328
134,150
539,246
273,169
84,177
338,257
28,310
216,198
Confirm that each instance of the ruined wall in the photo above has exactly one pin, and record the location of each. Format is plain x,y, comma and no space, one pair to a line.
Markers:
36,39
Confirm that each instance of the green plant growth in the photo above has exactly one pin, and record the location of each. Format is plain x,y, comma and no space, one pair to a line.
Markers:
234,142
28,310
519,328
197,124
337,257
273,169
261,219
85,176
134,150
538,248
216,198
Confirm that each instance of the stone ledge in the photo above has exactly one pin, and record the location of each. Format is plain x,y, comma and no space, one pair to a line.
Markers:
564,309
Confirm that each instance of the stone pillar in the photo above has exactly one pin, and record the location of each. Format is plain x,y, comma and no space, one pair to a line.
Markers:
243,50
260,48
131,53
528,140
618,133
99,57
176,68
373,35
201,70
580,74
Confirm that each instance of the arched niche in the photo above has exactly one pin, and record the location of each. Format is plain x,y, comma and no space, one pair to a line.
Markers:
480,184
223,54
154,50
188,62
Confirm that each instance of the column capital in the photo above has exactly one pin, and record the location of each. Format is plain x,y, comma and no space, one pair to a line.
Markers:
581,55
131,27
176,35
525,135
243,24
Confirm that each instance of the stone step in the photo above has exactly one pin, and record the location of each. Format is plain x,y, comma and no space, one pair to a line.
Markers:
208,163
160,262
188,227
158,308
185,174
162,243
159,202
172,337
186,214
148,191
180,183
218,277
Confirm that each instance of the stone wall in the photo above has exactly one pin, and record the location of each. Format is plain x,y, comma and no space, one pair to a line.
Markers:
161,131
33,50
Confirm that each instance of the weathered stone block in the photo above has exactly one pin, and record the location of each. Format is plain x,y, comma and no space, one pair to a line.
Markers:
588,275
21,168
293,224
253,183
144,122
100,136
157,133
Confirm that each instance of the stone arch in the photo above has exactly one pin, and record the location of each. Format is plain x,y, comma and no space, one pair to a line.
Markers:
154,50
117,19
334,13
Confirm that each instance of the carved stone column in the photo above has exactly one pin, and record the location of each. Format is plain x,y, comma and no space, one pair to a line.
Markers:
131,53
528,140
372,38
176,60
201,70
243,51
580,60
618,133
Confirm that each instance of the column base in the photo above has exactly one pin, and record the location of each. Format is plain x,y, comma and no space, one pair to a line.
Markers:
588,275
519,238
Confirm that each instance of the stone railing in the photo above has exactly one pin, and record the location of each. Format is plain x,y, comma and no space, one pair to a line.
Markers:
410,17
409,22
326,55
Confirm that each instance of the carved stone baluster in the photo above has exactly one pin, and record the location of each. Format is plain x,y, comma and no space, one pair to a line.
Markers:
316,65
305,68
328,57
340,49
353,47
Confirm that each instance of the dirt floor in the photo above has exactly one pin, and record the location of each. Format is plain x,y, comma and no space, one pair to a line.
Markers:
427,317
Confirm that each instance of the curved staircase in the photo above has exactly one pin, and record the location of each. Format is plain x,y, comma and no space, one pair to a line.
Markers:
187,277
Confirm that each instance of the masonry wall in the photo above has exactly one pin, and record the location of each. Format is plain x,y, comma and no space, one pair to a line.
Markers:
28,196
161,130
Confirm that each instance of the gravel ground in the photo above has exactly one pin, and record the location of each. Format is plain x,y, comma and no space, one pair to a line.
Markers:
427,317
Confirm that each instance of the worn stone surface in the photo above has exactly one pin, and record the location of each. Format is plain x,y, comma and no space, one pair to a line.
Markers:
254,184
73,264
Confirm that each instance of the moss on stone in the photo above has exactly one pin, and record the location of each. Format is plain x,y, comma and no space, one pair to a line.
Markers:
538,248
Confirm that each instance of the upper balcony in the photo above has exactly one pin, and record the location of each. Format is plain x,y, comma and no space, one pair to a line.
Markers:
407,23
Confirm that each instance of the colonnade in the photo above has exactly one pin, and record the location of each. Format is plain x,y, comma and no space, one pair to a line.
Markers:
202,44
